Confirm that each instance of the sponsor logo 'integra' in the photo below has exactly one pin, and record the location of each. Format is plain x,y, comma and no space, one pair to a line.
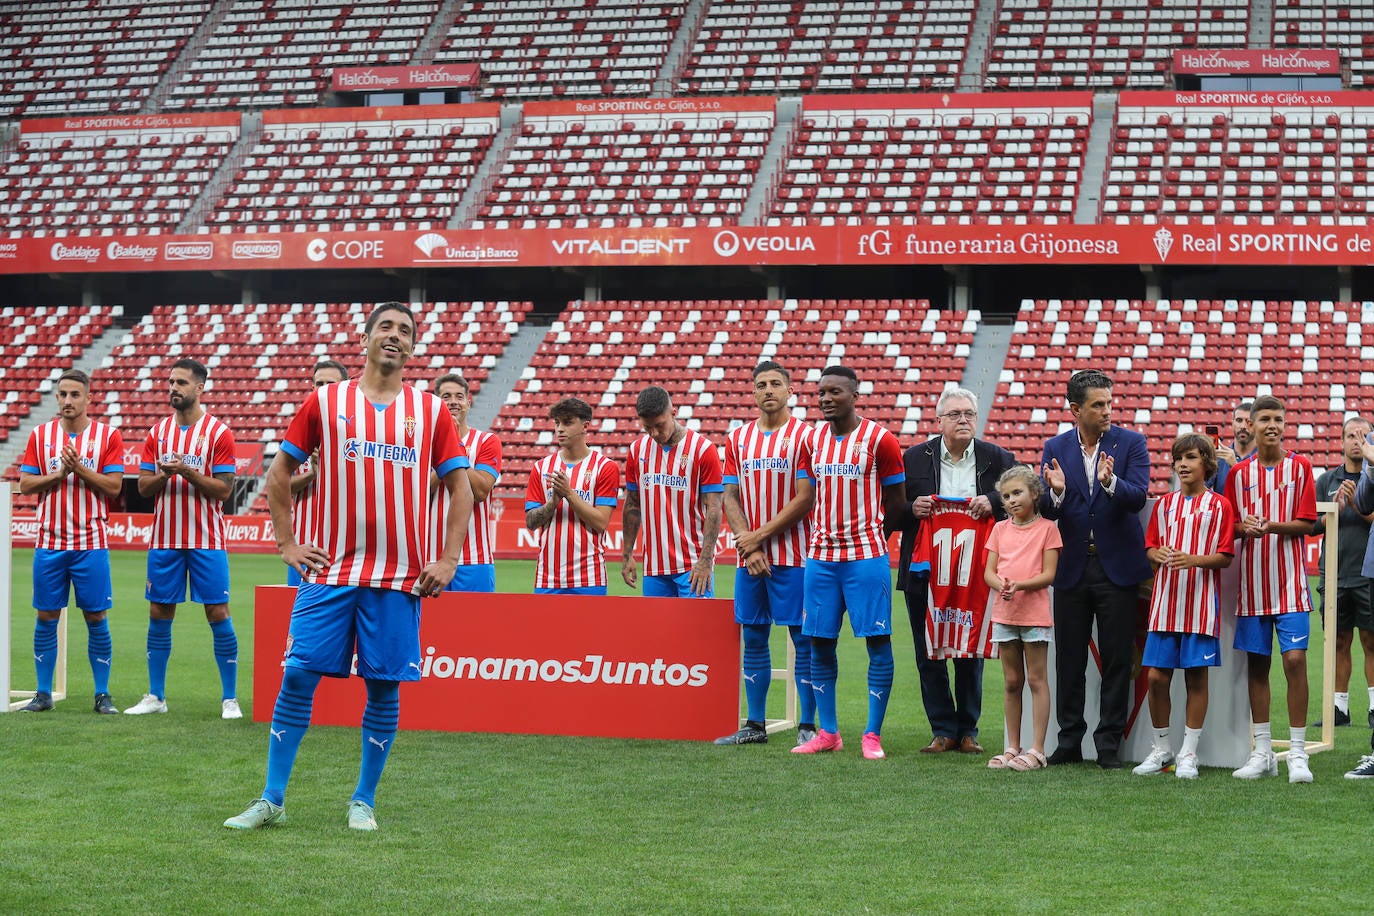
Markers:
356,449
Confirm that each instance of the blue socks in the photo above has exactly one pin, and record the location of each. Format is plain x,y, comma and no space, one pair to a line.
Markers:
806,698
226,657
99,650
45,652
380,717
758,670
825,668
159,650
290,719
879,681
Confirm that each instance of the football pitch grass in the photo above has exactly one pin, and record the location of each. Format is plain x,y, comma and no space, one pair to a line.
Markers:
123,814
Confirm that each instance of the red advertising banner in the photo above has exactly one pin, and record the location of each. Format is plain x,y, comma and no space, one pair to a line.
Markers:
399,79
105,123
131,531
746,246
573,665
697,105
988,101
1337,101
392,115
1258,61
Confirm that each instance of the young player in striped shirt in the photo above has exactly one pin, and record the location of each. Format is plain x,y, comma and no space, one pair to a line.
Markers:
188,470
857,466
366,565
673,487
326,372
75,465
568,502
477,565
768,496
1273,494
1190,539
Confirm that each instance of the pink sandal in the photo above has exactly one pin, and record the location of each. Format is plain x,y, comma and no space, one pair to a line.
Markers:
1030,760
1004,759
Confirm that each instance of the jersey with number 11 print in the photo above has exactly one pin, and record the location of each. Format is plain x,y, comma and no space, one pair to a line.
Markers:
951,555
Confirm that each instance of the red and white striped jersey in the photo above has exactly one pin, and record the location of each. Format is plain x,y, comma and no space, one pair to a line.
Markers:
571,555
1273,576
765,466
71,516
670,483
850,473
950,553
183,517
303,508
372,480
479,548
1187,600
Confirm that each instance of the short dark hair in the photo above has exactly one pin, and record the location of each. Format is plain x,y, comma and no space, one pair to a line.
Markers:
456,379
769,365
842,372
1204,448
1245,406
330,364
75,375
389,307
1267,402
653,401
1081,382
571,409
195,367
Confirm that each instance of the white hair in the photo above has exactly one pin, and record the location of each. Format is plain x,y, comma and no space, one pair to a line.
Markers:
956,393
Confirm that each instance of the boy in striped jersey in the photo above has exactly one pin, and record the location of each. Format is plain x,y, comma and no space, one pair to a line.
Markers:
1273,495
857,466
188,469
673,486
76,465
367,563
768,495
477,567
326,372
1189,541
569,501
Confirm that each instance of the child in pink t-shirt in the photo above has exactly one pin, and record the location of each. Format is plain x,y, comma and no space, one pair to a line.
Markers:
1023,553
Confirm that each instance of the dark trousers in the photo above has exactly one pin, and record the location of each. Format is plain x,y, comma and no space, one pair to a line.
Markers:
951,715
1114,608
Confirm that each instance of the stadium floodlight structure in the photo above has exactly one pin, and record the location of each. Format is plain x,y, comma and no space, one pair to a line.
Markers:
17,698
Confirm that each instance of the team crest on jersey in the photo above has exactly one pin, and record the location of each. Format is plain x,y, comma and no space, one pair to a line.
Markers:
410,426
201,441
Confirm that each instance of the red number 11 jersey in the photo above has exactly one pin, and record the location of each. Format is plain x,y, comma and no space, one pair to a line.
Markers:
950,555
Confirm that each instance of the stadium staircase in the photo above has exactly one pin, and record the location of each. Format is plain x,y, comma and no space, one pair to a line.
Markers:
774,163
433,39
1261,33
505,375
973,74
182,63
669,79
1089,206
983,367
197,216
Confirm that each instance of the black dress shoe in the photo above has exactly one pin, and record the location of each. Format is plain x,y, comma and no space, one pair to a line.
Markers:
1109,760
1063,754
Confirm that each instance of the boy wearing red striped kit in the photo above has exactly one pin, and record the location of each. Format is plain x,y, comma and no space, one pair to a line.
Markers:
569,501
188,470
1273,493
673,487
477,568
75,465
1190,539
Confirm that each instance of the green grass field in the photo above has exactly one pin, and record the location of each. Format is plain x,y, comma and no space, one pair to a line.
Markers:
122,814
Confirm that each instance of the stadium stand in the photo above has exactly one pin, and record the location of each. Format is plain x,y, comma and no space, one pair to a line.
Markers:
65,59
702,351
1104,44
961,159
341,174
274,53
1180,365
1344,24
1258,162
670,168
562,48
125,182
760,46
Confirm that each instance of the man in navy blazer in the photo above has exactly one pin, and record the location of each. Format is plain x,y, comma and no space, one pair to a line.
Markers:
953,463
1097,477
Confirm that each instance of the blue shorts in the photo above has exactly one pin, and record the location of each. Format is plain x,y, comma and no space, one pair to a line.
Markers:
1256,634
861,587
168,570
679,586
57,572
761,600
330,622
596,590
1180,650
477,578
293,578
